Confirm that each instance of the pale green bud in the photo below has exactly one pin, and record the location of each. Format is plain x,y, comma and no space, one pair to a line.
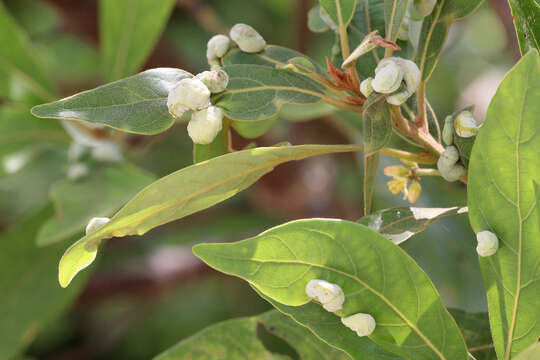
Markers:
95,224
411,74
214,67
448,158
362,324
77,171
448,130
329,295
327,20
488,243
247,38
365,87
454,173
403,33
424,7
398,98
465,125
216,80
188,94
388,76
217,46
108,152
205,125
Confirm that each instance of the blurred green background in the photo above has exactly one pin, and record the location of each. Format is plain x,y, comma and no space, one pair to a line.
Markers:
146,293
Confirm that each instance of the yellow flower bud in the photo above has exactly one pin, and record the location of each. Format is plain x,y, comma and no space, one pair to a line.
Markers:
399,184
414,192
396,171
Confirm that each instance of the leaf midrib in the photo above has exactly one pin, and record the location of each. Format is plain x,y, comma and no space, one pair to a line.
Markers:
355,278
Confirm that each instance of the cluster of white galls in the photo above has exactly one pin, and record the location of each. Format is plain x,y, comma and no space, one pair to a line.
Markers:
194,94
331,297
398,78
465,126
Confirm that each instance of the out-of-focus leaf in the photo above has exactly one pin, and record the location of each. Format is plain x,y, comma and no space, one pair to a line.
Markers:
104,191
24,12
254,129
377,126
531,353
315,22
475,330
340,11
129,30
294,112
411,319
185,192
394,14
17,58
399,224
30,297
18,129
504,165
526,14
435,29
300,338
257,92
230,340
137,104
273,56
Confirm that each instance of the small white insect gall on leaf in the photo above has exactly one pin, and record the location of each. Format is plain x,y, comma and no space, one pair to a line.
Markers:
216,80
424,7
488,243
388,76
365,87
466,125
330,295
362,324
205,125
95,224
188,94
247,38
217,46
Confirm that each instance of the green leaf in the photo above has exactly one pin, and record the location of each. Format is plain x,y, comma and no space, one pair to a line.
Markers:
98,195
411,319
394,14
229,340
30,297
137,104
185,192
254,129
218,147
17,58
475,330
377,126
19,129
371,163
340,11
272,56
257,92
399,224
315,22
329,328
504,164
300,338
526,14
129,30
531,353
435,29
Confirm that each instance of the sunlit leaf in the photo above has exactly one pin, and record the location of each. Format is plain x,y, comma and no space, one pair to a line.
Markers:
399,224
504,164
376,276
377,126
475,330
137,104
185,192
394,14
526,14
315,22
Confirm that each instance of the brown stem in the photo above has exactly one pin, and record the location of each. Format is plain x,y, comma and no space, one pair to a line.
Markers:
421,118
426,159
205,16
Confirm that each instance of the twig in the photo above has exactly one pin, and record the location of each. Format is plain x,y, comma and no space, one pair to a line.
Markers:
205,16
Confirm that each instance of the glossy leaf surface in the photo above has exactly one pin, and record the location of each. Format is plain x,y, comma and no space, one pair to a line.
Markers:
137,104
185,192
504,164
399,224
411,319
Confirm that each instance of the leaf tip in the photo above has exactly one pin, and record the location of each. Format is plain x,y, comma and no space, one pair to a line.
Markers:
76,258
